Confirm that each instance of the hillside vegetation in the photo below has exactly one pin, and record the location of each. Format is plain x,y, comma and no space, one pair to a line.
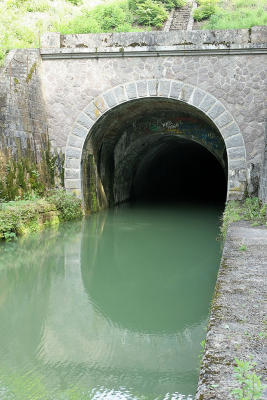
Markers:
23,21
231,14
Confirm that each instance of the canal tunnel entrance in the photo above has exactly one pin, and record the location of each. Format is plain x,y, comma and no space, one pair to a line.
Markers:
153,150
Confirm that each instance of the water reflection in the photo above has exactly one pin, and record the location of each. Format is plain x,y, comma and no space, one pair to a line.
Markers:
112,308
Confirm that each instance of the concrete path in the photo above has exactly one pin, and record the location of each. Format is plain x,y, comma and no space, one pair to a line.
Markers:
237,326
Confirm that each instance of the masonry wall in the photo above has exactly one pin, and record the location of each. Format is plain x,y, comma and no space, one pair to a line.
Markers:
23,125
238,81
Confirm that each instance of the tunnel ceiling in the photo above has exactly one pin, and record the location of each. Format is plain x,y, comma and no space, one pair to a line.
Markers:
122,137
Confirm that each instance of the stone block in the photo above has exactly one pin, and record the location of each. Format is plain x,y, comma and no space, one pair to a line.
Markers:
73,183
79,131
230,130
72,152
186,93
224,119
120,94
72,173
85,121
236,153
110,99
216,110
197,97
234,141
131,90
142,88
176,88
153,87
101,104
92,111
207,103
75,141
259,34
164,88
237,164
72,163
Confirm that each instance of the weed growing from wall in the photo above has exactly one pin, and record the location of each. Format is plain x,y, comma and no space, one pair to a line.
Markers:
249,384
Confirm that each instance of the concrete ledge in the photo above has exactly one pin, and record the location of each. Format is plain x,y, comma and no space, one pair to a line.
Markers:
237,318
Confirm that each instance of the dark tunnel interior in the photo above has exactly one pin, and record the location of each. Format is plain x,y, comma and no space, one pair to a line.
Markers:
179,170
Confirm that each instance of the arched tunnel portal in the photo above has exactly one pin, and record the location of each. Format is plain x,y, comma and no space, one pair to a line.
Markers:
153,149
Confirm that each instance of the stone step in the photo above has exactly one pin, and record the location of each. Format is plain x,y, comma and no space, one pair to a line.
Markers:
181,18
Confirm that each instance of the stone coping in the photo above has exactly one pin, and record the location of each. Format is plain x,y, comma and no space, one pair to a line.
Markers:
67,53
226,38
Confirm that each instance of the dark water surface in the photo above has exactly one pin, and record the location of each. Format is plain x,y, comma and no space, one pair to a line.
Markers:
114,307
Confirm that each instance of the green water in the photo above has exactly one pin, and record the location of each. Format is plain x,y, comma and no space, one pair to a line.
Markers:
112,308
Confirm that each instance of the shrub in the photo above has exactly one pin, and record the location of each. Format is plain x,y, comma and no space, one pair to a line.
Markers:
151,13
103,18
67,204
205,10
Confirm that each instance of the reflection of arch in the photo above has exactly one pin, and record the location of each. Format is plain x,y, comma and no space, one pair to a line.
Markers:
196,99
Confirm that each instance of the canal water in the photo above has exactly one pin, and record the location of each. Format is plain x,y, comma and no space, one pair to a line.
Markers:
114,307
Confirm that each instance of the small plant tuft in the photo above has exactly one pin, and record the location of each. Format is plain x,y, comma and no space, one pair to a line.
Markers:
249,384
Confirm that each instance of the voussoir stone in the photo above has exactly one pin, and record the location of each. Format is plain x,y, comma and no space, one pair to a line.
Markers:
176,88
110,98
197,97
224,119
234,141
101,104
131,90
72,173
85,121
72,152
75,141
120,93
216,110
92,111
230,130
164,88
207,103
152,87
142,88
80,131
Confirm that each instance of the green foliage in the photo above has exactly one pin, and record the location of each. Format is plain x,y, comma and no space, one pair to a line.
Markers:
250,210
103,18
243,247
67,204
205,10
151,13
238,14
249,384
37,6
23,216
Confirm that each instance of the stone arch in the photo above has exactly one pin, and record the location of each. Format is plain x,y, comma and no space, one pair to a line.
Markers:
191,95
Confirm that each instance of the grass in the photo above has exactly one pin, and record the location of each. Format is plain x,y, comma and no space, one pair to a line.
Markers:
236,14
250,210
24,216
23,21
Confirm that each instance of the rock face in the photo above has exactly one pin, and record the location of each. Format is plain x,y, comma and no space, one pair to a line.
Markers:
236,327
23,125
82,80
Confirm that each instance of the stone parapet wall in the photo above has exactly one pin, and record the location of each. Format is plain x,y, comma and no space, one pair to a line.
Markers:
137,40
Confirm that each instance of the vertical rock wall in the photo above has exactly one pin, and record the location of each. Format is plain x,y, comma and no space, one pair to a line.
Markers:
23,127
